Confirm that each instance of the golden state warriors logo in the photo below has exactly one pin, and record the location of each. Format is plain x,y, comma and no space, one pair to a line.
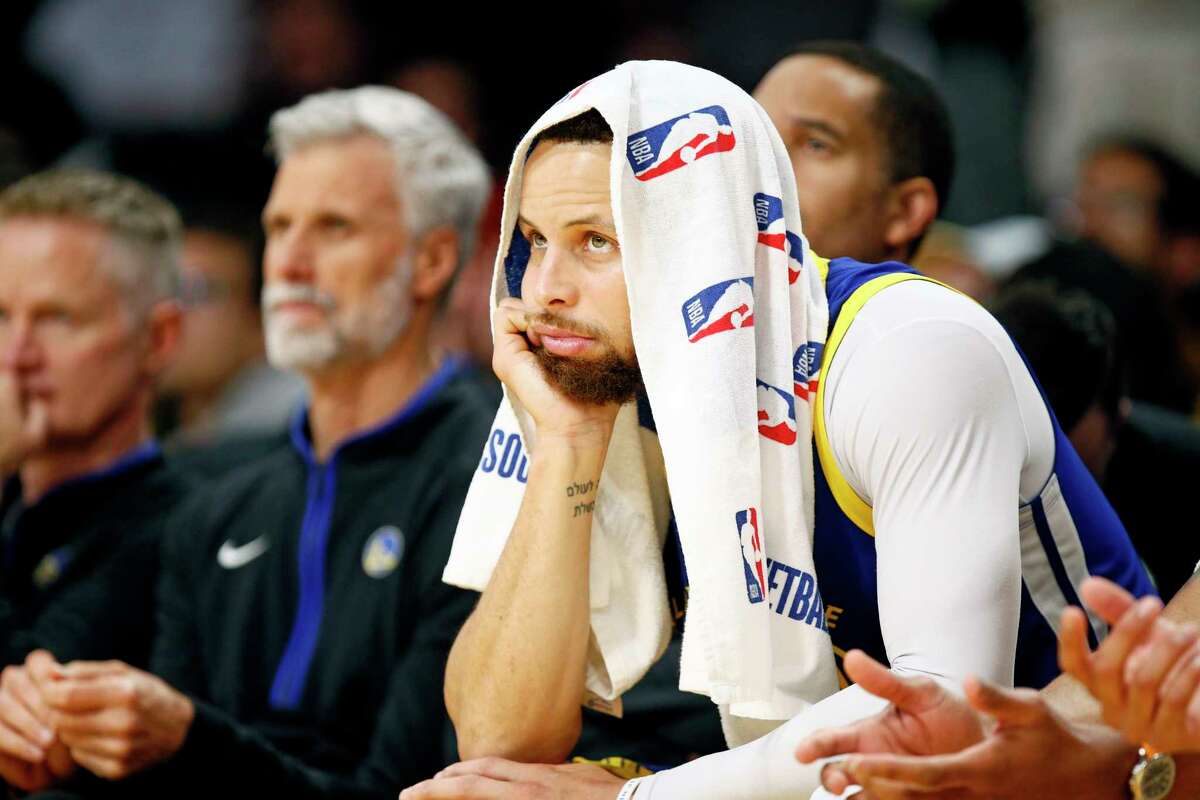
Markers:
383,552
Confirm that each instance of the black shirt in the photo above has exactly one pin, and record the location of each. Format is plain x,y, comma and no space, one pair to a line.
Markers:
80,565
302,608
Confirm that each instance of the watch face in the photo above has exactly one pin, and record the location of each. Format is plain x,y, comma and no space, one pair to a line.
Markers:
1156,777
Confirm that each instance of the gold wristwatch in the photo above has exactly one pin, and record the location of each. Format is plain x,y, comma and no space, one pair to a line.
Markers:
1153,775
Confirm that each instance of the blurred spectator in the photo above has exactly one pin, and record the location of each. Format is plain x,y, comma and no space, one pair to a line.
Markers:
870,145
1142,204
221,384
1188,314
137,65
303,623
945,255
87,323
446,85
1147,340
1104,65
1145,457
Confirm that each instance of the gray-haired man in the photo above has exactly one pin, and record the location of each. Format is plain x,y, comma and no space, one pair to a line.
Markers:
303,622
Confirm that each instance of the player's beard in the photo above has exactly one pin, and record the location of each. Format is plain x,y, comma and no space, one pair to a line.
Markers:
598,380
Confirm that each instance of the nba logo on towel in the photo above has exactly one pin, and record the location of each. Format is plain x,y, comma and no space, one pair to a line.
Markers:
678,142
776,414
805,366
724,306
753,559
768,213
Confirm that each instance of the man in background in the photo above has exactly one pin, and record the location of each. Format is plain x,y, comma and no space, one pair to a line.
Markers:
88,323
303,623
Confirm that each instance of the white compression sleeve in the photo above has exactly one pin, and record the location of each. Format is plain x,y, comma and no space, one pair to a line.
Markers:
935,422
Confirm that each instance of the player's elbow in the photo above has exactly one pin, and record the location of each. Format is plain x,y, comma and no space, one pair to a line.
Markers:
545,743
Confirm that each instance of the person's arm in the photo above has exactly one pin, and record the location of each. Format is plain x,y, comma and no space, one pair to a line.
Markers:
515,677
925,422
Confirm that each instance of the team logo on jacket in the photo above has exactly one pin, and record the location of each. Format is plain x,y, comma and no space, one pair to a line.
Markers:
768,212
776,413
753,559
678,142
806,365
724,306
383,551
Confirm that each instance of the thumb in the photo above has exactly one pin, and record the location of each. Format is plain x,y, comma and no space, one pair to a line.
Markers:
829,742
37,424
907,694
1013,706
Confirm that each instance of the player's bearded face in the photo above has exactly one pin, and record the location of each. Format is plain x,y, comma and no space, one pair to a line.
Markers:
608,376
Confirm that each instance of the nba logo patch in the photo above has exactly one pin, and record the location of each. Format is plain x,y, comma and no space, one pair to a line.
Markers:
806,365
678,142
776,414
724,306
753,558
768,213
383,551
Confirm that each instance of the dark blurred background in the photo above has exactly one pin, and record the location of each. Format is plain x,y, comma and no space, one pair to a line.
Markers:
177,93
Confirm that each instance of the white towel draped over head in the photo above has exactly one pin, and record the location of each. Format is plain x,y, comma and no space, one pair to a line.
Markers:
728,316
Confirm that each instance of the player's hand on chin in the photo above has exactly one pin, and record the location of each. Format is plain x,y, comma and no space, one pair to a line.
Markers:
500,779
518,368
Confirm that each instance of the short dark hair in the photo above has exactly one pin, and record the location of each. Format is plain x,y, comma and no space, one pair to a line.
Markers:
911,118
1071,342
1176,206
586,128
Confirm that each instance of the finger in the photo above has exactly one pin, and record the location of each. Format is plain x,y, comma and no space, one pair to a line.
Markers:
17,746
904,693
1073,651
16,713
1013,706
1193,718
43,667
86,670
104,766
462,787
20,774
492,767
1169,726
75,729
926,772
1145,671
884,789
72,696
1108,662
1106,598
829,742
835,779
37,424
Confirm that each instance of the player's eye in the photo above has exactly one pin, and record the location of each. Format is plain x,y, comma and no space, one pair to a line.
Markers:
816,146
535,239
599,244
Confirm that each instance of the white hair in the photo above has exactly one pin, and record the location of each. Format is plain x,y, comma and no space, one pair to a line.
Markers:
146,234
441,179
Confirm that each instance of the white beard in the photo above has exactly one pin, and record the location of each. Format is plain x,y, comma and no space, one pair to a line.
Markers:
366,330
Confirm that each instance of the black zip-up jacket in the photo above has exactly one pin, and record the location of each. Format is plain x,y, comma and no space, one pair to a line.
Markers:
79,566
302,608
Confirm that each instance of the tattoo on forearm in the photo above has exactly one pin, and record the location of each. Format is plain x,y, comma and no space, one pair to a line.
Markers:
581,490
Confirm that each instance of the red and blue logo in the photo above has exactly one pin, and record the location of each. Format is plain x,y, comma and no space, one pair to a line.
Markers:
724,306
754,560
806,368
776,413
768,212
678,142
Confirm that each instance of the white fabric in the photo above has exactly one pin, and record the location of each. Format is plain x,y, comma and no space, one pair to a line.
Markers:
688,222
933,419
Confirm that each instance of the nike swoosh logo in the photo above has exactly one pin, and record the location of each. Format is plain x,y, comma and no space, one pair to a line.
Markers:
231,556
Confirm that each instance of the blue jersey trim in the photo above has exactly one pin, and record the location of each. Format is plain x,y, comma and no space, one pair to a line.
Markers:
291,676
1042,525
